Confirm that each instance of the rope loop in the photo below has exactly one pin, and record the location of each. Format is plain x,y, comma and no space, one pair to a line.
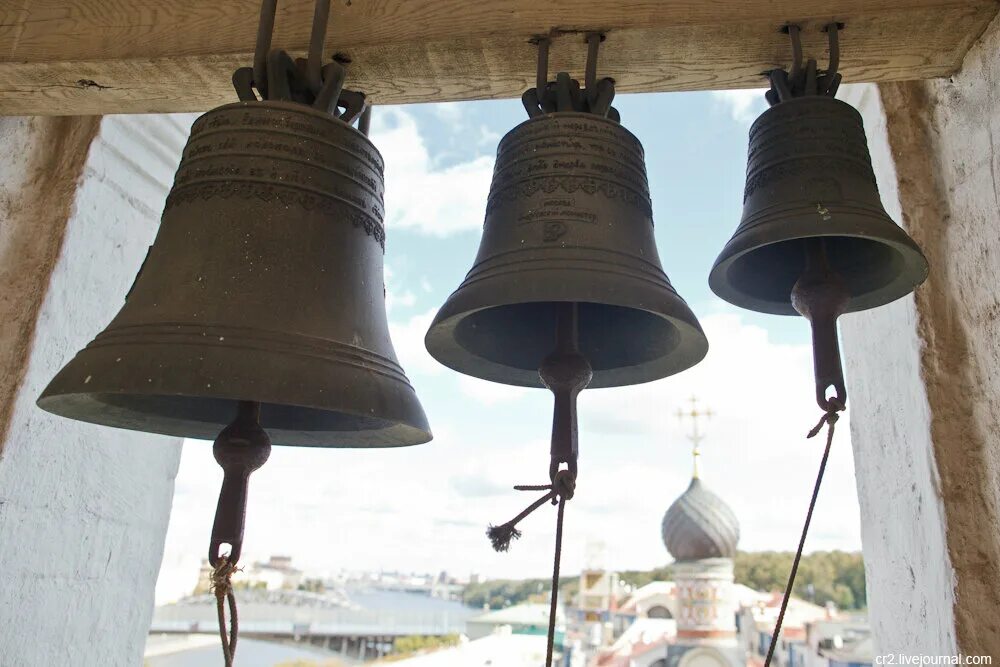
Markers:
829,417
564,484
222,586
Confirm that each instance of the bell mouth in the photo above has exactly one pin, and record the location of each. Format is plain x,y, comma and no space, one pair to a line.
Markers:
530,332
200,418
875,271
184,386
507,343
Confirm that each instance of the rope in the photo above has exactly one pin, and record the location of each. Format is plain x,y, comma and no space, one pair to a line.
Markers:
830,419
562,489
554,602
222,586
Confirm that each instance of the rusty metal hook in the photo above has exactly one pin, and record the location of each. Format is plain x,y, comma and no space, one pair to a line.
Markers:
531,103
265,29
333,76
564,92
353,103
810,87
808,80
831,78
594,40
604,96
365,121
794,34
243,83
314,65
779,84
542,71
266,63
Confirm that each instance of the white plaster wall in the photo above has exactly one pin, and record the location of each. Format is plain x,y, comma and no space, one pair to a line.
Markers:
84,509
966,117
909,575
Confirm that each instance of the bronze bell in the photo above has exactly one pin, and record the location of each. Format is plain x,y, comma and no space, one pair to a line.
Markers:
568,220
264,284
809,176
814,239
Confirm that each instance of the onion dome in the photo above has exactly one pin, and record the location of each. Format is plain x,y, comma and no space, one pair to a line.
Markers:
700,525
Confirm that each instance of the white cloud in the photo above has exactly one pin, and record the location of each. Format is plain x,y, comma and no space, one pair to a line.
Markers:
487,136
426,508
419,195
396,297
755,453
408,340
744,105
490,393
450,111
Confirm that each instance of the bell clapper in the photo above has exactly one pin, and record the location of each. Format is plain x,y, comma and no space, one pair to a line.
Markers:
820,296
241,448
566,373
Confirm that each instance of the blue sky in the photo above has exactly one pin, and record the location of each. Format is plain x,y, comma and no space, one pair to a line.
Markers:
426,508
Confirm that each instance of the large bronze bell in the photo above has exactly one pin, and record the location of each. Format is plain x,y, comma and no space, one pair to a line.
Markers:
814,239
264,284
568,220
809,176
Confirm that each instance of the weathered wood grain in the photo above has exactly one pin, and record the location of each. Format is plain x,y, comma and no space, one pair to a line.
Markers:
125,56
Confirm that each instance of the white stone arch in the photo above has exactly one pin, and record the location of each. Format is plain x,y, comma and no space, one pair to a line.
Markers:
658,611
703,656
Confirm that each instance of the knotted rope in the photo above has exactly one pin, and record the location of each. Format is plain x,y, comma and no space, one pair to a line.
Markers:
829,418
561,489
222,586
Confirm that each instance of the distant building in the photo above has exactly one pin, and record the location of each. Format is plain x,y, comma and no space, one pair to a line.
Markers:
811,635
503,649
522,619
276,574
691,621
838,642
597,595
757,623
702,618
701,532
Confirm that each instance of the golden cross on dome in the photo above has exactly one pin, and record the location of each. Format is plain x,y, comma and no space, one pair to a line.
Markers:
695,436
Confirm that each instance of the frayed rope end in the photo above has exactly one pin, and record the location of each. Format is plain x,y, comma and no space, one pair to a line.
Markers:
222,577
830,418
501,536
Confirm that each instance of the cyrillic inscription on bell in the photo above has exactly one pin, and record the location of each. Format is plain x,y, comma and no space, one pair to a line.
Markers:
264,284
569,219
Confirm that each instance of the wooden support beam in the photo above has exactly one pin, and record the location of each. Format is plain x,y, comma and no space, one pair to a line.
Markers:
129,56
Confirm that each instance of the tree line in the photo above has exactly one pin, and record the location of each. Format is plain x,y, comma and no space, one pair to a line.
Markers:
824,576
